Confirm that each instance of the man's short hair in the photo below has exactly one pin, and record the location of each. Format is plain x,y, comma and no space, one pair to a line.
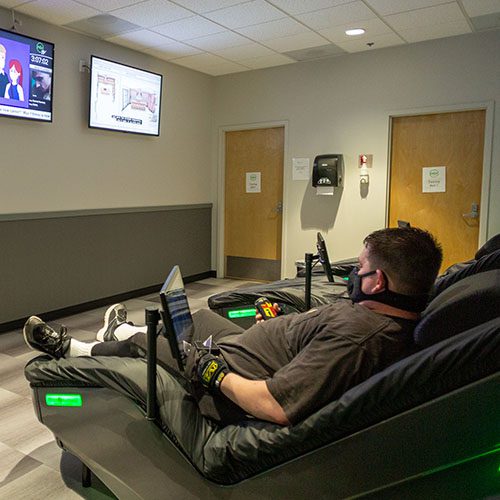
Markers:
409,256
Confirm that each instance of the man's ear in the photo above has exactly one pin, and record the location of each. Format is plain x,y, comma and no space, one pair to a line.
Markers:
381,283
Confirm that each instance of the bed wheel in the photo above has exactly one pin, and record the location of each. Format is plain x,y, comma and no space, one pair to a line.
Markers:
86,476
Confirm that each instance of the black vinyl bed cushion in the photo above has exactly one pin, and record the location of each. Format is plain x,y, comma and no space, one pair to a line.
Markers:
229,454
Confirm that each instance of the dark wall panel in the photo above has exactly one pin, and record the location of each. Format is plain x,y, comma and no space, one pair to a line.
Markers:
52,263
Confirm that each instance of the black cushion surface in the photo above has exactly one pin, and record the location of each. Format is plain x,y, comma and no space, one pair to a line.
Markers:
466,304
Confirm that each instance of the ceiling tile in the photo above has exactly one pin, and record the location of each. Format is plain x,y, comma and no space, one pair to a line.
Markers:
385,7
8,4
315,53
152,13
335,16
202,6
246,14
244,52
481,7
141,38
419,34
57,12
440,14
218,41
373,27
107,5
302,6
172,50
295,42
486,22
266,61
379,41
102,26
225,68
190,27
273,29
209,63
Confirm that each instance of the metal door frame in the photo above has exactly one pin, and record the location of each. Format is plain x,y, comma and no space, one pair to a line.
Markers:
221,170
489,107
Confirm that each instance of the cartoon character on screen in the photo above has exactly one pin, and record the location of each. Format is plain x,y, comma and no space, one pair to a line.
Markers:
14,89
4,79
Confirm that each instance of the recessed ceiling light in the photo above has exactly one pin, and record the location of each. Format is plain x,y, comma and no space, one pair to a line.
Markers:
355,32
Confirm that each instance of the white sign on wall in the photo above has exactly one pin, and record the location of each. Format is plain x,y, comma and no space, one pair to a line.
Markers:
300,169
434,180
253,182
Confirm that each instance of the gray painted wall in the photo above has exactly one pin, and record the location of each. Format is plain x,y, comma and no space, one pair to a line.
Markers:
53,263
61,260
342,105
64,165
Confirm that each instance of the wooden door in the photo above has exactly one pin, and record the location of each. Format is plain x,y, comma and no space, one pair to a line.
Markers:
252,222
451,140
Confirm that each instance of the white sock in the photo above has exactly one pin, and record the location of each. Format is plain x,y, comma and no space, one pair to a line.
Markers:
78,348
125,331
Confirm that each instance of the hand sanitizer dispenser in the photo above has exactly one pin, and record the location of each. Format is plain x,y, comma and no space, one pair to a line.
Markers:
328,173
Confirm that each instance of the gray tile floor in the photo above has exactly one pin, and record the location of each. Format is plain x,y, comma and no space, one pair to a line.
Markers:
32,466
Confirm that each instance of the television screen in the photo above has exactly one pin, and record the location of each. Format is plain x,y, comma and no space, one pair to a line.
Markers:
26,76
124,98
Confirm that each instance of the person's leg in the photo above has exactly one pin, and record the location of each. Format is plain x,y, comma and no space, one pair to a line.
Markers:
121,348
207,322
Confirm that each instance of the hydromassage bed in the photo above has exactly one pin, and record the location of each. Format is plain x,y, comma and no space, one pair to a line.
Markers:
425,427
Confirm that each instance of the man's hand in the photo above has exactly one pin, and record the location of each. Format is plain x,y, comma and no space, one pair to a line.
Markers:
211,370
260,319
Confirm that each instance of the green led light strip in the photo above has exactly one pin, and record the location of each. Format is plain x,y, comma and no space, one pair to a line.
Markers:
63,400
241,313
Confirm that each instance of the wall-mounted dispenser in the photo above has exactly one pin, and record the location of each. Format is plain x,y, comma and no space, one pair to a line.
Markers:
328,173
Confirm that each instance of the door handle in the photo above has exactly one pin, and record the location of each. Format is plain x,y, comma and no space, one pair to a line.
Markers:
474,212
279,207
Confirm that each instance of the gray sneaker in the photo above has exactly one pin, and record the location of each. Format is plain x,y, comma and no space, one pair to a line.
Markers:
114,316
41,337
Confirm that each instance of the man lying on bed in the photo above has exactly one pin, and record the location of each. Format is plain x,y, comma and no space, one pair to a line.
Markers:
284,369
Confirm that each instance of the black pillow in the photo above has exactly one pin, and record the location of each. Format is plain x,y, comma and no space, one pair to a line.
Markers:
490,246
467,303
486,263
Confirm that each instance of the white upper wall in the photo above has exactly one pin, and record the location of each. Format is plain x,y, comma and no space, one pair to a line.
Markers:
64,165
342,105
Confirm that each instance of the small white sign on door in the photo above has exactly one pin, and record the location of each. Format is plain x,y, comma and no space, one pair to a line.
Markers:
253,182
434,180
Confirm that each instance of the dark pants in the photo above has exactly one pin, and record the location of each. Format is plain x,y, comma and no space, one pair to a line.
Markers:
206,323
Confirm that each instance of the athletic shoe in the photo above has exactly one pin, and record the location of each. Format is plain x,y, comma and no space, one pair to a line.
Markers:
114,316
41,337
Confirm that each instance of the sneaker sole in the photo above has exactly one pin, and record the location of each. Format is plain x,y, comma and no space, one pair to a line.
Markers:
25,336
105,327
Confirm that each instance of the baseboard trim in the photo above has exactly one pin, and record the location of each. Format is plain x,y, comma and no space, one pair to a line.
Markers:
94,304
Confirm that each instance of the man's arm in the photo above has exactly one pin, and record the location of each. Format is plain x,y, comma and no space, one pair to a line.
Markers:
254,397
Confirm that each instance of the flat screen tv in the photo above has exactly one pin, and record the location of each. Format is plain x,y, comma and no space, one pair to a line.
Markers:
124,98
26,76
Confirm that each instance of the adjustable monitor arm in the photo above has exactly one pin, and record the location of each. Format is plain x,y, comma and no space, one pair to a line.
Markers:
309,259
152,320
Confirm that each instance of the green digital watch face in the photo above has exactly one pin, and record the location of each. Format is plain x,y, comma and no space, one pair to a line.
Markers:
63,400
241,313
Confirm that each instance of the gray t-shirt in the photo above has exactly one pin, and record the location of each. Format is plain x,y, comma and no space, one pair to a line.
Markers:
312,358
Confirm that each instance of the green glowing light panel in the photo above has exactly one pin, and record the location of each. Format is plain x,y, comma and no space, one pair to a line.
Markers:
241,313
63,399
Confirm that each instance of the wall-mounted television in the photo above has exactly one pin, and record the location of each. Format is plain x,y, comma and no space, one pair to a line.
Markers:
26,76
124,98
